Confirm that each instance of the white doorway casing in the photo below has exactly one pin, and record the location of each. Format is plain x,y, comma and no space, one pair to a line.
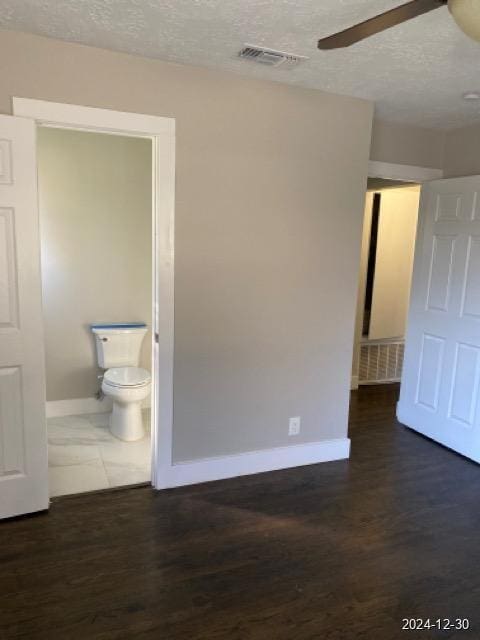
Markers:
162,133
402,172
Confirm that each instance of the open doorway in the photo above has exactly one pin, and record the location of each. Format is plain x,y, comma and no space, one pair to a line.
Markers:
25,489
386,266
95,210
440,368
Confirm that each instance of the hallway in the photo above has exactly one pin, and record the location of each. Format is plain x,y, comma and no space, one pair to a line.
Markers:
341,550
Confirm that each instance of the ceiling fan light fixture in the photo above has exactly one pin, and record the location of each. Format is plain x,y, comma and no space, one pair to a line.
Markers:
466,14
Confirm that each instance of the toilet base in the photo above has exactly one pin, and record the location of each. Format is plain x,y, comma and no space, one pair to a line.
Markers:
126,421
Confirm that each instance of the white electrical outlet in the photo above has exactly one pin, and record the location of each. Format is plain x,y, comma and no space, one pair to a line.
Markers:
294,426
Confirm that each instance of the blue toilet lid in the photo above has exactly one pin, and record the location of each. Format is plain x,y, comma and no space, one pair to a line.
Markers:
118,325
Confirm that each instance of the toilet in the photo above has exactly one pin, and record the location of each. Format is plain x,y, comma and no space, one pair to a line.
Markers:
118,352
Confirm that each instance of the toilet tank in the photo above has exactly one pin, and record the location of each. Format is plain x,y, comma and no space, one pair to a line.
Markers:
118,344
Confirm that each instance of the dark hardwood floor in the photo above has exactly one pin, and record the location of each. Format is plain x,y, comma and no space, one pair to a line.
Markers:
339,550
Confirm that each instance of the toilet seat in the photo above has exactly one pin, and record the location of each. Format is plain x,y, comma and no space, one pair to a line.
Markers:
126,377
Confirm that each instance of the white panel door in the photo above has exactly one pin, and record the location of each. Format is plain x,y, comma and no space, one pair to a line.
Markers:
440,382
397,227
23,435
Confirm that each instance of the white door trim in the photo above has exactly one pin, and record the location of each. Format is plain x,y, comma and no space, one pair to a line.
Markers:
162,133
403,172
74,116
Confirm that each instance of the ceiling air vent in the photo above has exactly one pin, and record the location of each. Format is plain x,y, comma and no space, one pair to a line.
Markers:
270,57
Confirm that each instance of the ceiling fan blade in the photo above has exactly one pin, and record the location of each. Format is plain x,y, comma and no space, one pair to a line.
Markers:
379,23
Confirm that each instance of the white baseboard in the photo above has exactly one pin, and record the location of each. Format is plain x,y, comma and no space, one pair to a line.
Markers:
220,468
80,406
354,383
77,407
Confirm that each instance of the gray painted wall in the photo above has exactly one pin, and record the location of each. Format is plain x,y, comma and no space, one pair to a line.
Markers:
462,152
269,204
456,151
403,144
95,224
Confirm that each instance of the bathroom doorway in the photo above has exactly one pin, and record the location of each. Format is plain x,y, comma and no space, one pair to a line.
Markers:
25,489
95,211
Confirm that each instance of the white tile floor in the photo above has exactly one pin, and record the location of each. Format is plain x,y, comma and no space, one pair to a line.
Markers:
83,455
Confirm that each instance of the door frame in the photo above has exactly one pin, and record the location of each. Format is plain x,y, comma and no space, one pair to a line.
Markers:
161,131
402,172
387,171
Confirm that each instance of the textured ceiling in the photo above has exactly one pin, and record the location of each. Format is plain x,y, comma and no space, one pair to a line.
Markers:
416,73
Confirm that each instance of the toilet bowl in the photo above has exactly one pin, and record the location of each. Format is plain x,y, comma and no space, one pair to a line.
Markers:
128,387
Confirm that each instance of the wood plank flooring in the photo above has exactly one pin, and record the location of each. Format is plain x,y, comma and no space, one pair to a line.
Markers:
342,550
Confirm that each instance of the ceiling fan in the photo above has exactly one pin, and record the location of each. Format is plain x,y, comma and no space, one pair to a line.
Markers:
466,14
